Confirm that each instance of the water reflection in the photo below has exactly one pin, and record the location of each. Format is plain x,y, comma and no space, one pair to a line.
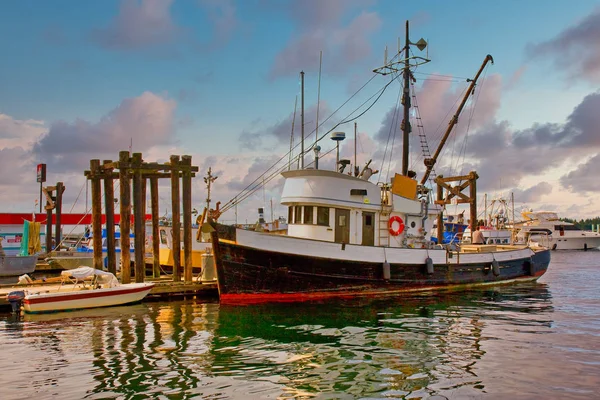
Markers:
416,347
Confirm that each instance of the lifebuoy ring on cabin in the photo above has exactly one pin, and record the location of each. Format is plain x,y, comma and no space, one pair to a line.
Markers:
396,232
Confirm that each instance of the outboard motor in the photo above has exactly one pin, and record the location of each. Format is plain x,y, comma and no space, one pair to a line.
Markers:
16,300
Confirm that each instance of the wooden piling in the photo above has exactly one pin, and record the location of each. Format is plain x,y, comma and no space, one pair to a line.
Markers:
125,211
174,161
60,188
155,234
109,208
440,217
96,212
186,189
49,246
139,217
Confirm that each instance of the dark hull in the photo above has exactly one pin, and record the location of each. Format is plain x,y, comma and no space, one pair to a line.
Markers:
248,274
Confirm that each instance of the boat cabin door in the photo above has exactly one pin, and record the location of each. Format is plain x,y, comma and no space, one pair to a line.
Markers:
342,226
368,229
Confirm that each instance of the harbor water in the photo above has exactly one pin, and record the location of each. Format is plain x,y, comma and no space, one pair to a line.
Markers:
527,341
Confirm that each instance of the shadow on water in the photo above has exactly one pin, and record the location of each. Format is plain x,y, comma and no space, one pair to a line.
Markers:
417,347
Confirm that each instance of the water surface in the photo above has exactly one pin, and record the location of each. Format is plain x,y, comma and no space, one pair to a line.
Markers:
523,341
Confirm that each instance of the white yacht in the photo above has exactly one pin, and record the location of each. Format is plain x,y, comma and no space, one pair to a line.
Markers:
548,230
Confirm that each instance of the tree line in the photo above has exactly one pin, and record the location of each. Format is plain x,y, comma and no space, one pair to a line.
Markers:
585,224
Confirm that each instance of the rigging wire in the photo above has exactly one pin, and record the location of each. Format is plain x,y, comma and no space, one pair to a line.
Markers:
255,185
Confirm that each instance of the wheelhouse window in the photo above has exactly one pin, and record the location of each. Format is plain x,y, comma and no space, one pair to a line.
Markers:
308,214
163,236
323,216
298,214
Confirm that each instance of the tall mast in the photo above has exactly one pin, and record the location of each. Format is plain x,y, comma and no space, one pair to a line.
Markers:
355,163
302,121
430,162
403,63
406,103
292,135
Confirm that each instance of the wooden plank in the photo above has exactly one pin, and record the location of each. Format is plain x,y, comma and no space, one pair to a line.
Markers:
109,207
125,223
96,214
176,219
138,220
186,189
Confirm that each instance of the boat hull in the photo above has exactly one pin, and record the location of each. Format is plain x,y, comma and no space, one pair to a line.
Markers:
73,300
574,243
17,265
276,272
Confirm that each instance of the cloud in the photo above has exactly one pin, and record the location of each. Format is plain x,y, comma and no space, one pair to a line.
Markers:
515,77
320,27
281,131
584,178
534,193
222,14
22,133
146,120
139,24
575,50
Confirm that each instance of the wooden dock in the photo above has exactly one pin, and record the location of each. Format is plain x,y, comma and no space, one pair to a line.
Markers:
164,289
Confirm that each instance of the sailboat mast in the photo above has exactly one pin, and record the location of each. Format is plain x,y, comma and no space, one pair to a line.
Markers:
302,120
406,104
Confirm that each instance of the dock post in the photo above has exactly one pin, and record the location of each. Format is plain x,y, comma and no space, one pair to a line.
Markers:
49,246
473,201
109,209
125,217
440,218
60,188
96,212
174,160
155,233
139,216
186,189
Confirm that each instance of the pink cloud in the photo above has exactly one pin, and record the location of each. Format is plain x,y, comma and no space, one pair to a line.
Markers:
575,50
146,120
139,24
320,27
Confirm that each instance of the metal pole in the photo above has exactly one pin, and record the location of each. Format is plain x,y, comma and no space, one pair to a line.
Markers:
302,121
406,103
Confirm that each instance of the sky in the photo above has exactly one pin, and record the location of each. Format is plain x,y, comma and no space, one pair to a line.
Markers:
220,80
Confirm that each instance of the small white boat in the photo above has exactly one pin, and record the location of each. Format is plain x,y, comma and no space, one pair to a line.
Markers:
90,288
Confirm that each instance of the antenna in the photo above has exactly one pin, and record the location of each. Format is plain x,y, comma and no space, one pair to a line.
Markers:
302,122
318,98
292,135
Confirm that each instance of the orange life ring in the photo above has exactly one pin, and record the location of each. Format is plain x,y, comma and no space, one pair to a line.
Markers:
396,232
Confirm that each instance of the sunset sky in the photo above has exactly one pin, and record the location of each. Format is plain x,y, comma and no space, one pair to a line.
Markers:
218,80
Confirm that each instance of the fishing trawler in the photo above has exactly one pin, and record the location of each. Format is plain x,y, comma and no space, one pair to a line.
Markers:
348,236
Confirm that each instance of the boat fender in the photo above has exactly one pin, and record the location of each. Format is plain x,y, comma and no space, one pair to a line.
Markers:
387,274
429,265
585,247
395,232
496,267
554,246
16,299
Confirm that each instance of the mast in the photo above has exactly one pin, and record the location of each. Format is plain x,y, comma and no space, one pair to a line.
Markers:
406,103
292,135
302,121
403,63
318,98
209,179
430,162
355,162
